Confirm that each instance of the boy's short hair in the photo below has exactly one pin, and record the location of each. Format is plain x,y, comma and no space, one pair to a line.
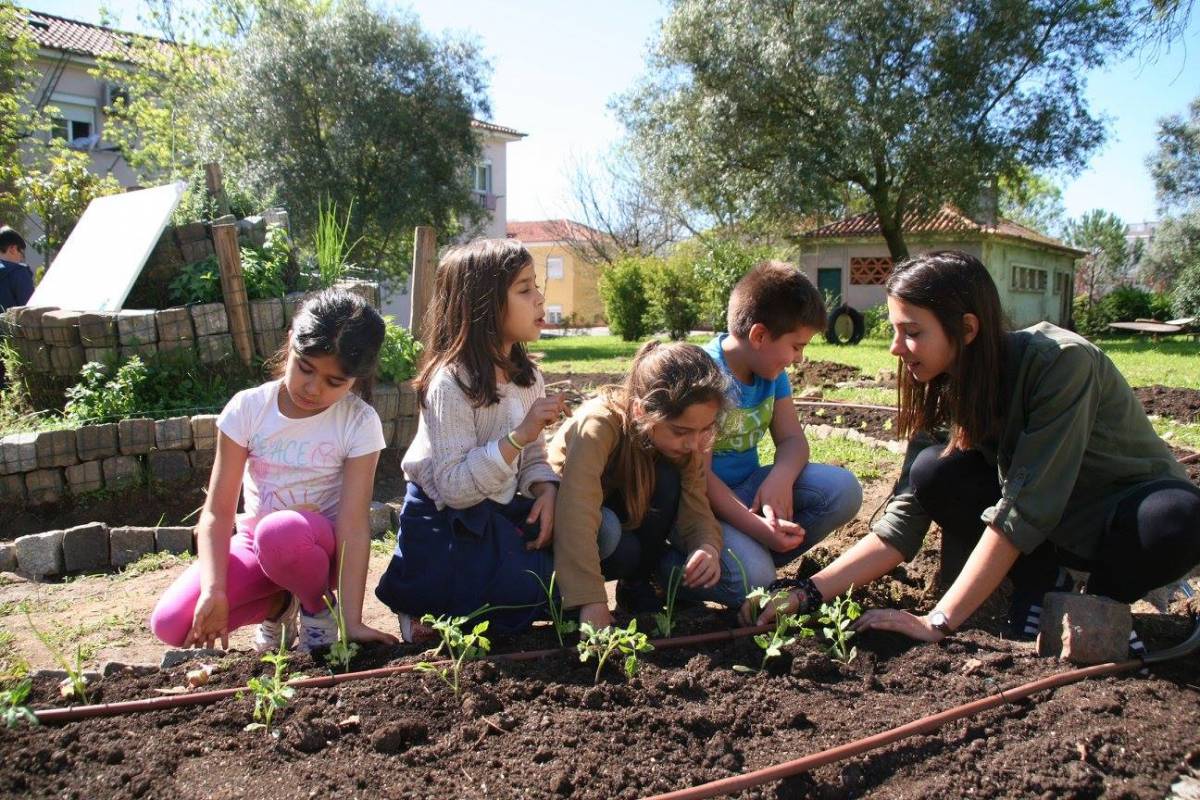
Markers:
9,237
777,295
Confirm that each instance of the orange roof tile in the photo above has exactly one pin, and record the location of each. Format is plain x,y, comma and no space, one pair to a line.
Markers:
946,220
479,124
550,230
59,33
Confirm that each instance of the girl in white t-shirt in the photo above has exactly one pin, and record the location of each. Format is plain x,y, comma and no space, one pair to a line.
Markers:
301,450
478,514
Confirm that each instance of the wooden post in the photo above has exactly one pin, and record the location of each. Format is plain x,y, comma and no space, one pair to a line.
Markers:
424,270
233,286
216,186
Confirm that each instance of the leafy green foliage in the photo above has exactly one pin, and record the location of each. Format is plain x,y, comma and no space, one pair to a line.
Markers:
343,650
399,353
1102,235
837,616
329,242
264,268
561,625
18,77
773,642
719,264
875,322
198,282
171,382
772,111
57,190
12,705
271,693
1175,165
606,642
623,291
664,621
459,646
674,298
1187,292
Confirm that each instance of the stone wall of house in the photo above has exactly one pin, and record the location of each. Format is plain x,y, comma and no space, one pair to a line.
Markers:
54,466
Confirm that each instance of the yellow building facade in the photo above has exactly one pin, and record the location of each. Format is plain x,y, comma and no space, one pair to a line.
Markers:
570,283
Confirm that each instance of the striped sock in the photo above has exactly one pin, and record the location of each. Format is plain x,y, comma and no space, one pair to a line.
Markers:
1137,649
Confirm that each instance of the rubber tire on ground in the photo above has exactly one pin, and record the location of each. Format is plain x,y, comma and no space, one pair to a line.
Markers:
846,326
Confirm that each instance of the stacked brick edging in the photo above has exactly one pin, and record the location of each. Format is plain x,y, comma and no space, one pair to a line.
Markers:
46,467
96,547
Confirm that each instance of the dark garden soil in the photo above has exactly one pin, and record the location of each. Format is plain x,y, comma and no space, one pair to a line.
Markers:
1170,402
823,373
542,730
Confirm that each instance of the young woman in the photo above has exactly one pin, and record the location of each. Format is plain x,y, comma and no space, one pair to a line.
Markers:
1030,451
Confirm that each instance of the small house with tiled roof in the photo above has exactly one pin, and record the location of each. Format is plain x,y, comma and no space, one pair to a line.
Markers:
1035,273
570,281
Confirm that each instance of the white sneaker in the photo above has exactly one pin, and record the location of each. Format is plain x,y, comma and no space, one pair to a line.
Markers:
318,630
271,632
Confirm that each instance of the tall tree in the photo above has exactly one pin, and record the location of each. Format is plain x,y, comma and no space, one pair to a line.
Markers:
18,119
773,107
1034,201
1175,164
1102,234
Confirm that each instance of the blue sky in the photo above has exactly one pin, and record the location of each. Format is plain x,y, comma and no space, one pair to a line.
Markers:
557,65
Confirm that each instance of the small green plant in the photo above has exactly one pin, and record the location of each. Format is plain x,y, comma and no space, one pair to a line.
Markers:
664,621
329,242
198,282
271,693
561,625
460,646
837,616
12,705
773,642
264,268
742,569
75,686
399,353
343,650
604,642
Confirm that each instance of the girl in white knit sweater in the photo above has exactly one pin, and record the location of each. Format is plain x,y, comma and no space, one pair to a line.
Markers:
478,514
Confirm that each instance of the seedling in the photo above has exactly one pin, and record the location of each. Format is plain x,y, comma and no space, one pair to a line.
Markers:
561,626
773,642
12,705
343,650
75,685
607,641
664,621
273,692
742,569
837,616
460,646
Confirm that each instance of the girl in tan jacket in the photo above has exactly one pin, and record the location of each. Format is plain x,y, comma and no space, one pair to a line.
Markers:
633,466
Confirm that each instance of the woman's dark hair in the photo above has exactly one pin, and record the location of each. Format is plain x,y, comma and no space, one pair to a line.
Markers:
970,398
664,380
337,323
462,325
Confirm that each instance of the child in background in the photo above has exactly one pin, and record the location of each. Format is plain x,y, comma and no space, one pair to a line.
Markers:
774,512
302,450
632,466
478,513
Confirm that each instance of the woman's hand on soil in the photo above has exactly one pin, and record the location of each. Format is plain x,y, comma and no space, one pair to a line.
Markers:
542,513
210,621
361,632
543,412
596,614
703,568
891,619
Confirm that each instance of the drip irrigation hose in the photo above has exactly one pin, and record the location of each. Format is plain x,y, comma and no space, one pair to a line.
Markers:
926,724
73,713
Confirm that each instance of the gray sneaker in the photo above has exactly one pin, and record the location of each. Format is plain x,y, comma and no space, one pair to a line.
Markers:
270,633
318,630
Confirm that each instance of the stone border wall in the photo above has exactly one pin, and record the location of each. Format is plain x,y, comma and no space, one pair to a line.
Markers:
96,547
50,466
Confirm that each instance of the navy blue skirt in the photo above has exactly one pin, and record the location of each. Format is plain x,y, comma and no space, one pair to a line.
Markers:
455,560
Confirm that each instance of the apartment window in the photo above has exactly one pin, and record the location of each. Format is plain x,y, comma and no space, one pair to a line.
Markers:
869,271
554,268
1029,279
554,314
483,177
72,122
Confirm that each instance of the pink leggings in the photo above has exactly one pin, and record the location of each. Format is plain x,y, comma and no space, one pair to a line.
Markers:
289,551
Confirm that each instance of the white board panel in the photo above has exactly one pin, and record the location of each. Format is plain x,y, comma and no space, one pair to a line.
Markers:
98,264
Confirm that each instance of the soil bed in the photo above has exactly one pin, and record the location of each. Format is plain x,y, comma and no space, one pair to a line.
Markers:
542,729
1171,402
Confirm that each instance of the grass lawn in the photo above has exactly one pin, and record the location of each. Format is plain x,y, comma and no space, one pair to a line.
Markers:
590,353
867,463
1143,362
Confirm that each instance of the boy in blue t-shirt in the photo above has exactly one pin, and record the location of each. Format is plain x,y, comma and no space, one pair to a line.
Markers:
772,513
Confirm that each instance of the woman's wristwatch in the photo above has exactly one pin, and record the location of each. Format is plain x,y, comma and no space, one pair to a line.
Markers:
940,622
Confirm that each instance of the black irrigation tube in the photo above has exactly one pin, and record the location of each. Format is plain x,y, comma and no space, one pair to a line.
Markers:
925,724
73,713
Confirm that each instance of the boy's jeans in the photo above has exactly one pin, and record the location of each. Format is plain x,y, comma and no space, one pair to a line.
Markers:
824,498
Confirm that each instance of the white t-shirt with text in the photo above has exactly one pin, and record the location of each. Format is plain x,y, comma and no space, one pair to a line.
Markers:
296,461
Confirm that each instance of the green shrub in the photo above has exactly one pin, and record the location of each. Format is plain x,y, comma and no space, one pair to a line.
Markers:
719,264
399,354
1127,303
198,282
1091,320
623,290
674,298
1186,296
264,268
875,322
